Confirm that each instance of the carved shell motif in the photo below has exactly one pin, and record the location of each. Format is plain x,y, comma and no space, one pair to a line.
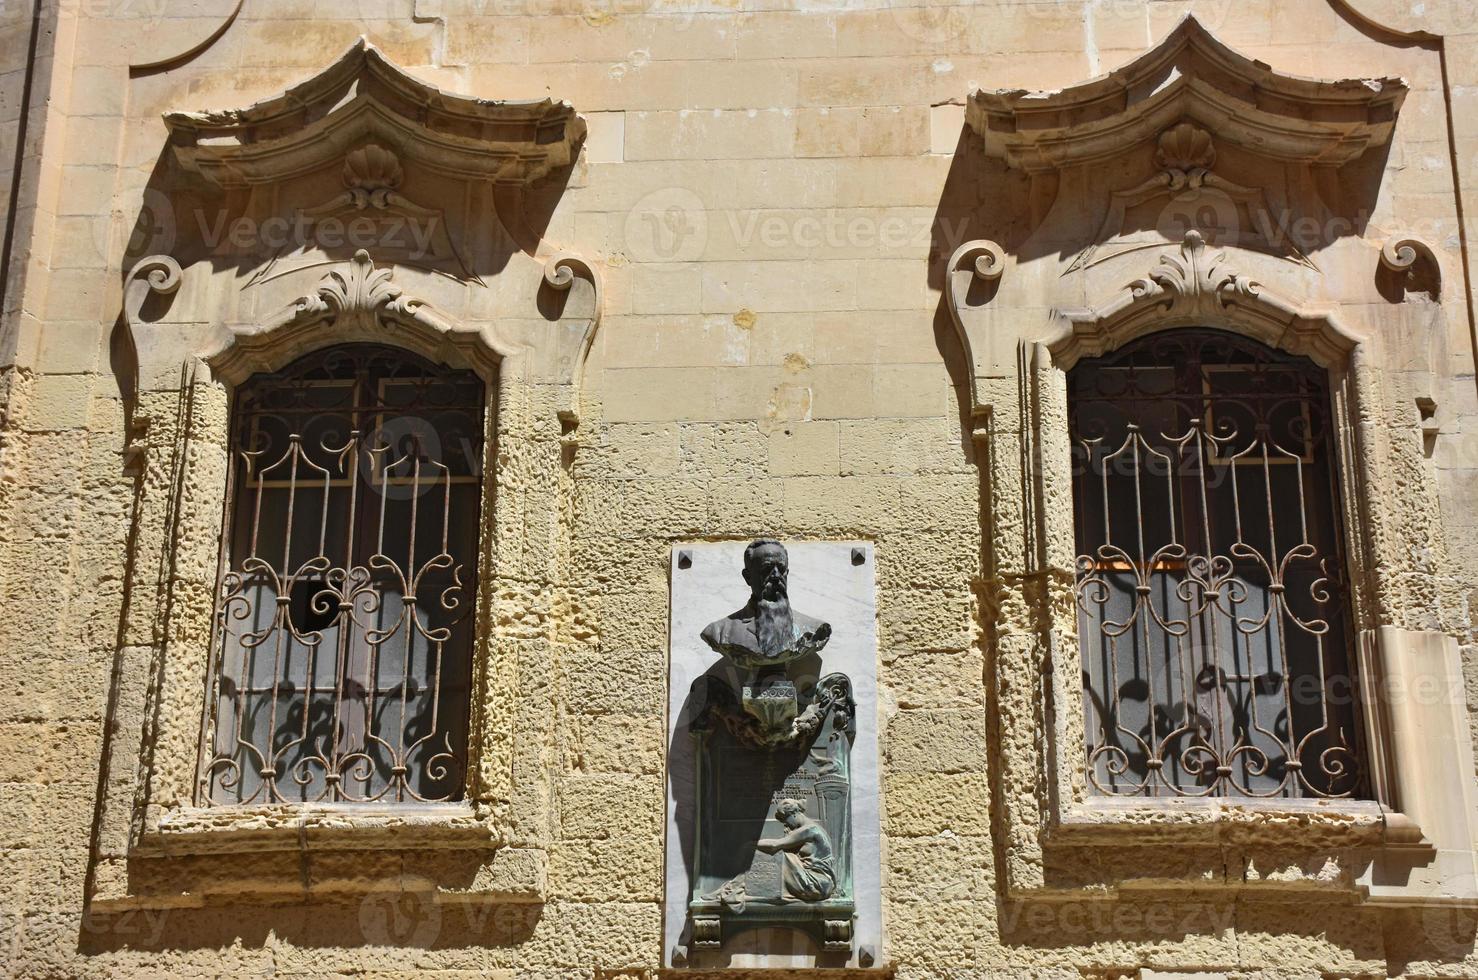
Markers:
371,168
1186,147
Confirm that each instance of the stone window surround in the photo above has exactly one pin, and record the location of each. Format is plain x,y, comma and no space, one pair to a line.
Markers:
178,431
185,826
197,332
1418,817
1190,92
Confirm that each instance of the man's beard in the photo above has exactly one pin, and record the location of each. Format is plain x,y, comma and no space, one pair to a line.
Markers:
772,625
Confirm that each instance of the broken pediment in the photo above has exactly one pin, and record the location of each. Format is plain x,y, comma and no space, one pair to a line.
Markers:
1189,76
363,98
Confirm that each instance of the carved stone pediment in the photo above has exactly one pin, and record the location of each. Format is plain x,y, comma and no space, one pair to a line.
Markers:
1188,194
371,210
392,195
1190,75
363,98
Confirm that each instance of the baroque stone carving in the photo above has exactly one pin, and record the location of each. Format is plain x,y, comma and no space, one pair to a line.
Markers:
978,265
1194,282
1189,196
1186,151
561,272
1189,76
1198,286
359,295
154,275
362,302
372,175
1413,259
774,839
363,98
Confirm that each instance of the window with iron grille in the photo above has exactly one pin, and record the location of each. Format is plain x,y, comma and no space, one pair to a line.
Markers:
345,615
1212,607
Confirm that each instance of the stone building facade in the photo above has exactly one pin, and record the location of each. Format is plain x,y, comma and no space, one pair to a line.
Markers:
1122,349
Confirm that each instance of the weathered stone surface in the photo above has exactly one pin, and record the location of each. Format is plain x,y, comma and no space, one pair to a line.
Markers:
767,200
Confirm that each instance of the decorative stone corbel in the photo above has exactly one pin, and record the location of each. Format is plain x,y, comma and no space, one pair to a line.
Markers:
1414,261
159,274
970,282
153,274
579,316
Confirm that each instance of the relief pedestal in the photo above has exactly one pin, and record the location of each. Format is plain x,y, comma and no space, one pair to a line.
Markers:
795,785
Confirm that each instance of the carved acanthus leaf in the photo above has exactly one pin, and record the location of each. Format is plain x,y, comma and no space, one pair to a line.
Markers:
1194,280
359,295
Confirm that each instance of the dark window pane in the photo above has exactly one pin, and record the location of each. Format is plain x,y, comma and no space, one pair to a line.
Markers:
345,627
1211,600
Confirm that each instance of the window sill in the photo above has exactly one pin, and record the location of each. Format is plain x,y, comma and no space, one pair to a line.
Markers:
200,857
1295,822
1311,850
316,827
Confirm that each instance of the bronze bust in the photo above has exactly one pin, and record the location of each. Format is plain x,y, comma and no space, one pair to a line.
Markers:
766,632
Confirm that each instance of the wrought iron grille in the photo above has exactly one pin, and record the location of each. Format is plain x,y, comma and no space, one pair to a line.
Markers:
344,619
1211,599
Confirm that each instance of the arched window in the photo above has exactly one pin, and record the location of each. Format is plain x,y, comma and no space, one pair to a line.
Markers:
1212,608
345,615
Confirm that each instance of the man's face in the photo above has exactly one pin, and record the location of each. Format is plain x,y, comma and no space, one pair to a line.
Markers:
766,572
791,818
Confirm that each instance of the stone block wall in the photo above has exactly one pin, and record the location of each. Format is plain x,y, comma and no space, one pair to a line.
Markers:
769,191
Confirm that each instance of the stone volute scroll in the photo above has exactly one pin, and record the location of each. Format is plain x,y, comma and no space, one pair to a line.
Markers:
769,813
972,277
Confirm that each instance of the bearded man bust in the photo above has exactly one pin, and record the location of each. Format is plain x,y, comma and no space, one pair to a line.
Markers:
766,633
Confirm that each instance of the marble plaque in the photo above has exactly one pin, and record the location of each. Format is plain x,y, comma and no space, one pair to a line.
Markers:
772,830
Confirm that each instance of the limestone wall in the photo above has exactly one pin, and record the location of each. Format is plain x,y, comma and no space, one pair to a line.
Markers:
768,192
